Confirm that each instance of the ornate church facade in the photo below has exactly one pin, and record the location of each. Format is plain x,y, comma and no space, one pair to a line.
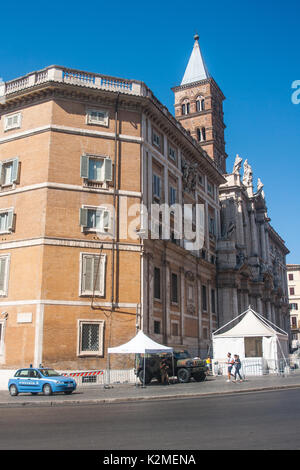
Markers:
251,256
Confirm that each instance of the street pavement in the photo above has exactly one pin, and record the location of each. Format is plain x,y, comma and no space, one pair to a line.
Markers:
256,420
116,393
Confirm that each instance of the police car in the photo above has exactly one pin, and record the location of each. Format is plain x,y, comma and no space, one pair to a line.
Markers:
43,380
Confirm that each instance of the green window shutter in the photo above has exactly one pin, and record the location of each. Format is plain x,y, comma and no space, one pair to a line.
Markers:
84,166
3,262
10,220
106,220
96,273
15,170
83,217
87,274
108,169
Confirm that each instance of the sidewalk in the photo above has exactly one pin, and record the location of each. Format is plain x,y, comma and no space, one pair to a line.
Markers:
96,394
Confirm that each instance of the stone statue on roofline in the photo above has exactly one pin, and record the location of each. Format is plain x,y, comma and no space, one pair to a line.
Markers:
248,174
237,165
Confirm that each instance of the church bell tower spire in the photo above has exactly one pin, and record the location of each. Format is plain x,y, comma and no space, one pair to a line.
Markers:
199,107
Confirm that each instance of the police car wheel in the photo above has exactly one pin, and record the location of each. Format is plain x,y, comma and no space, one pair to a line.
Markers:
47,390
13,390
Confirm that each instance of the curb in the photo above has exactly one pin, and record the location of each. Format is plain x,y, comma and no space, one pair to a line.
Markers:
30,404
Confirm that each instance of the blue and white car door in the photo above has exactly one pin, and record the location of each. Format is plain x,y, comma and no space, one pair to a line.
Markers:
35,380
23,381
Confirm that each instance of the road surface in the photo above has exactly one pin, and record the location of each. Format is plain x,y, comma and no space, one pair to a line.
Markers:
263,420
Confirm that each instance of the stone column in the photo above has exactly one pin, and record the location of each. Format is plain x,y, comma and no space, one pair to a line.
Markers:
253,234
149,180
182,302
167,301
259,305
263,241
240,239
199,313
269,311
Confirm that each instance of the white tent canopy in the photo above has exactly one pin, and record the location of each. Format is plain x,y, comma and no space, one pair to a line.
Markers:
252,333
140,344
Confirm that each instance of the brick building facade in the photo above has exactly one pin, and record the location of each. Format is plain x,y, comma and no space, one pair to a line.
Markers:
75,149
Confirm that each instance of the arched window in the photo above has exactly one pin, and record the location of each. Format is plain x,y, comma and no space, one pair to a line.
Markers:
201,134
200,104
185,107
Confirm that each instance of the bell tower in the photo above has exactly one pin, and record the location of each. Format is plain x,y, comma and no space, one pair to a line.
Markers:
199,107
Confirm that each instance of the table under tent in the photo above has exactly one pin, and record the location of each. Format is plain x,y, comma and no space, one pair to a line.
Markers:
141,344
262,345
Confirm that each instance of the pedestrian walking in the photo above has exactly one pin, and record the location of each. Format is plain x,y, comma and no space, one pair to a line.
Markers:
230,362
237,367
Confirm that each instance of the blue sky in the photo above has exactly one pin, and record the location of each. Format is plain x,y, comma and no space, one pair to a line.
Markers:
251,48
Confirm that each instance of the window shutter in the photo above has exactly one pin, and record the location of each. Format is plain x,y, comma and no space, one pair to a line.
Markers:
96,273
108,169
10,220
84,166
1,174
2,274
83,217
106,220
87,274
14,171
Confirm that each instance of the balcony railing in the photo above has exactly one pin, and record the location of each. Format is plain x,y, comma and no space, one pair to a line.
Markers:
73,77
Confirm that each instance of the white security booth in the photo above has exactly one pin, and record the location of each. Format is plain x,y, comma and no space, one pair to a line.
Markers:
262,346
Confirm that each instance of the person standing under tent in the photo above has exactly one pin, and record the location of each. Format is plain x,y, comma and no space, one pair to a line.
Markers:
164,372
230,362
238,365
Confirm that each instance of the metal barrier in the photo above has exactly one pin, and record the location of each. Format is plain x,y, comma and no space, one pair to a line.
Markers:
260,366
102,377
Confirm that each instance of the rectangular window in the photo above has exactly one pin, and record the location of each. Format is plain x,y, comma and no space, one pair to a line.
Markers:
293,306
157,293
291,277
204,298
156,186
294,322
4,274
157,327
173,196
172,153
253,346
156,139
95,168
292,291
91,338
92,278
210,189
174,288
175,329
211,227
9,172
6,221
12,122
98,117
213,301
95,219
